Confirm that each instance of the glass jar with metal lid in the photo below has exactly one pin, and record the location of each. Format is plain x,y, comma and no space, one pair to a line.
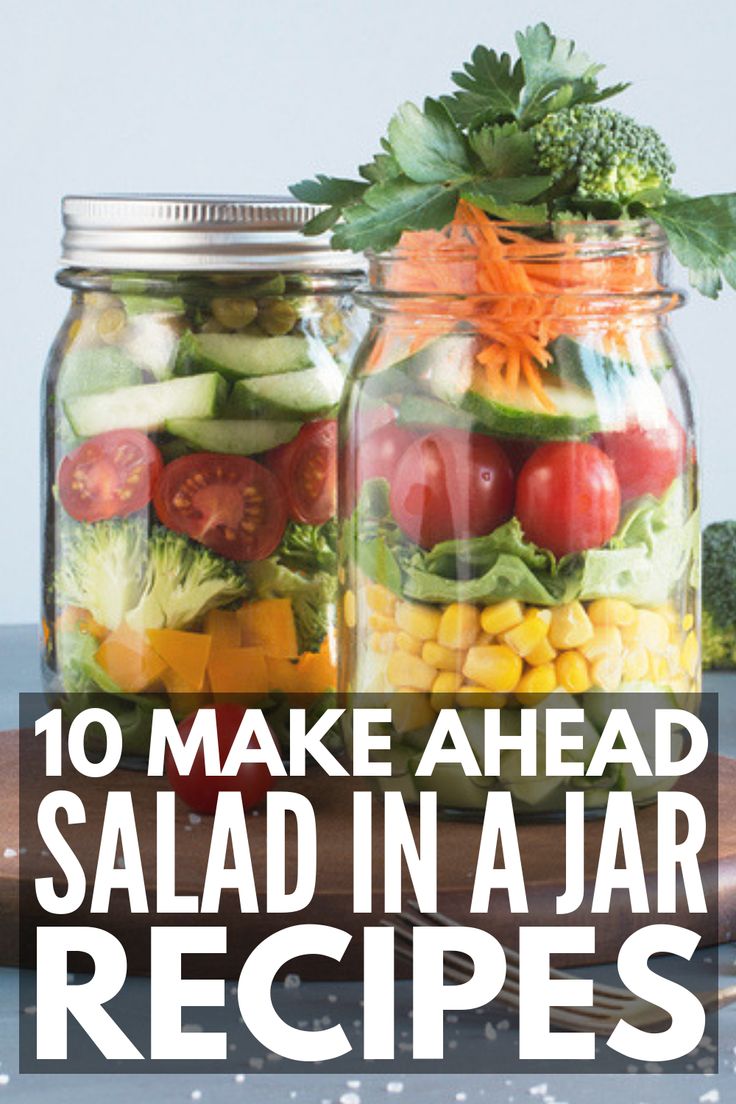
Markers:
190,448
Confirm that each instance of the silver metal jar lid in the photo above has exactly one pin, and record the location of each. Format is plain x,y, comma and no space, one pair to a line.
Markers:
155,233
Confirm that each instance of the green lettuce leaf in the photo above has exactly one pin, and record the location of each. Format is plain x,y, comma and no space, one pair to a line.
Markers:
490,569
650,553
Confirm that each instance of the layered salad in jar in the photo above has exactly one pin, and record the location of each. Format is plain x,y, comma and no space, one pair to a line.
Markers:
519,507
190,521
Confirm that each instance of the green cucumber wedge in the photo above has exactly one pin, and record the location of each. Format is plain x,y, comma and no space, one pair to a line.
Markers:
88,371
241,355
309,394
457,381
421,410
148,406
242,438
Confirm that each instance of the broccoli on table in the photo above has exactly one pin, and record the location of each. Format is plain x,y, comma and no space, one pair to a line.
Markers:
719,595
598,153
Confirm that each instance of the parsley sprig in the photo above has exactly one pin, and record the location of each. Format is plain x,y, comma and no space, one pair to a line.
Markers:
481,144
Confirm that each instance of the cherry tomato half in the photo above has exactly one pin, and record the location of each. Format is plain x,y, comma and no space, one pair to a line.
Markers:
450,485
646,458
378,454
110,475
200,790
307,468
232,504
568,497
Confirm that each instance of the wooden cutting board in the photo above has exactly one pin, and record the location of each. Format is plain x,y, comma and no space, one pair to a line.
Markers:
542,851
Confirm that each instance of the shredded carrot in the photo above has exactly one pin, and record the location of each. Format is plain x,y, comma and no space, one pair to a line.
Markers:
518,293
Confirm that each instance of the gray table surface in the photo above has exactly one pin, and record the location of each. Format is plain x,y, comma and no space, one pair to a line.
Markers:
19,671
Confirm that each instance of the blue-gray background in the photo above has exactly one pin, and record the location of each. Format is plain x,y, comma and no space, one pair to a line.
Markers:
242,96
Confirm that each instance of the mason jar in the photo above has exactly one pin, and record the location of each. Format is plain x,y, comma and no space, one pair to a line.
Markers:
189,404
519,502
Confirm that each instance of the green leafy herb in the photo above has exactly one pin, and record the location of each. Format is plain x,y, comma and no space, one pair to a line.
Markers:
702,234
525,141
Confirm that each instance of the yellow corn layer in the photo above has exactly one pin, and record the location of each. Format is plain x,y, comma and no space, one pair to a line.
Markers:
469,655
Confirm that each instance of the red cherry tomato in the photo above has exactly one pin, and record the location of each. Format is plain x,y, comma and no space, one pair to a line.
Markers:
229,503
374,417
110,475
451,485
646,458
568,497
378,454
518,450
307,468
200,790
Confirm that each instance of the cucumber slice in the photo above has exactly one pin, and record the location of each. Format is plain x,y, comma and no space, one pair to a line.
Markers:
583,362
240,354
307,394
89,371
456,380
148,406
421,410
243,438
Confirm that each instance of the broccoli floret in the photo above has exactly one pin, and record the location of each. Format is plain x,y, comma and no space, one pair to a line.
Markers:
182,581
101,569
117,571
719,595
309,547
311,597
601,154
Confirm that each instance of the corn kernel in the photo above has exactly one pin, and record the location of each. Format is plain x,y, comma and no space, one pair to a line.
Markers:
459,626
501,616
410,710
443,690
474,697
611,611
538,680
671,656
606,640
606,671
687,622
484,638
667,611
380,623
408,643
408,670
636,663
525,637
494,666
444,659
658,670
380,599
72,333
421,621
348,609
543,653
689,654
110,323
570,626
383,642
572,672
649,629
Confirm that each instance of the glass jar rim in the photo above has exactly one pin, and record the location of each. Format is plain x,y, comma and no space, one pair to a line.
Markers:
604,236
575,265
